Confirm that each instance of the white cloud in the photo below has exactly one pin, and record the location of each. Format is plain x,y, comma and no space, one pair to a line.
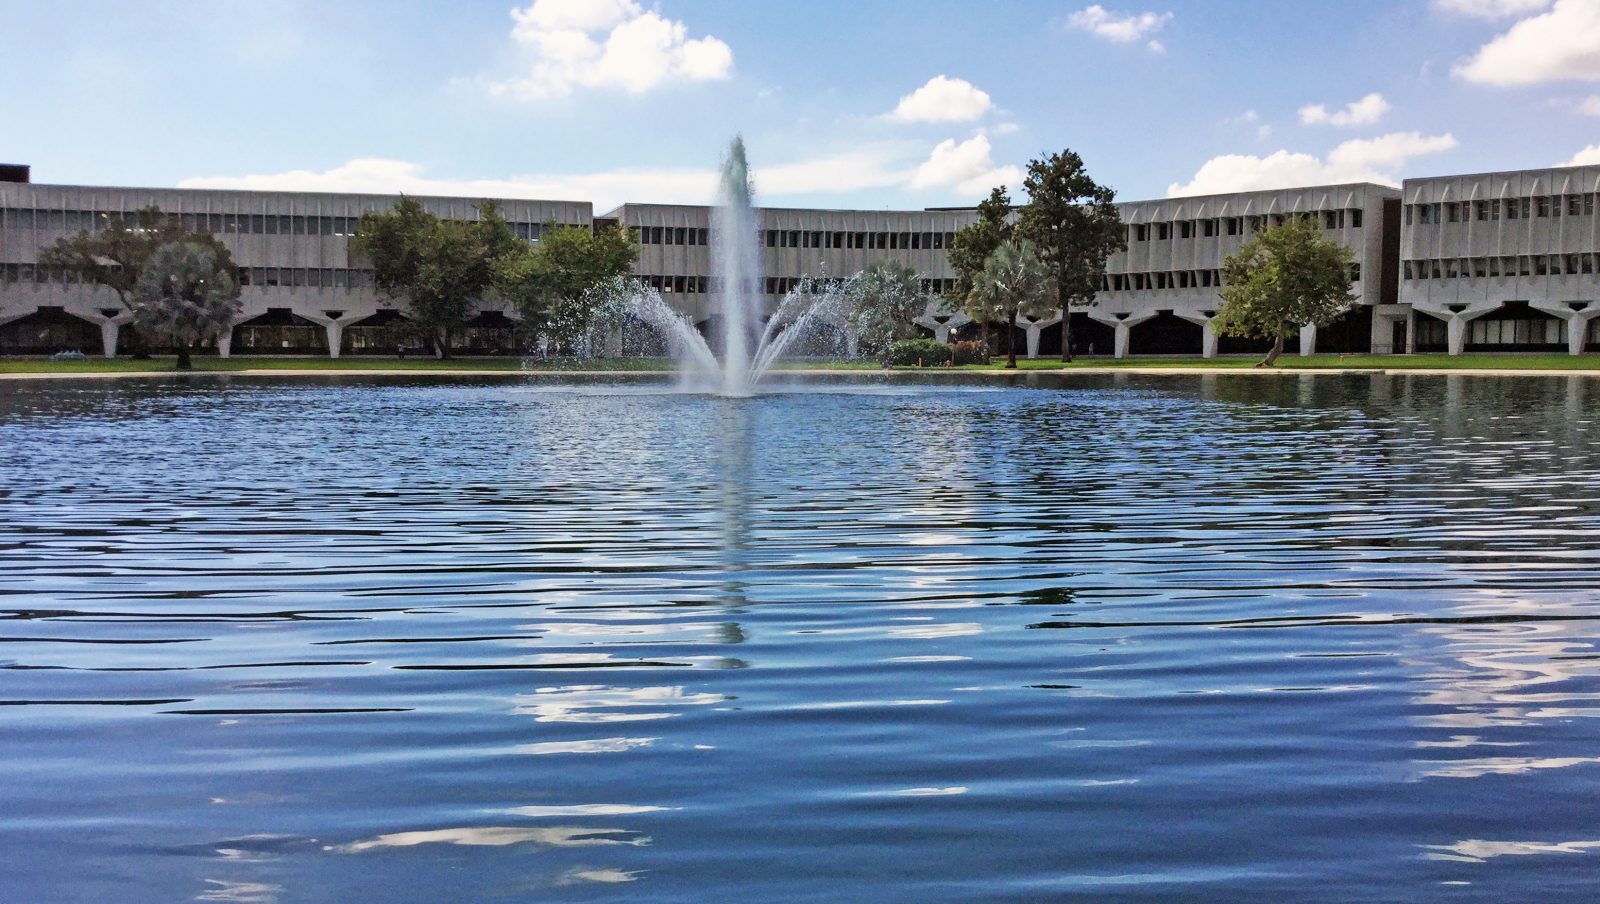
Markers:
1362,112
943,99
1590,106
1361,160
1491,9
1589,156
1561,44
1007,128
613,44
967,166
1119,28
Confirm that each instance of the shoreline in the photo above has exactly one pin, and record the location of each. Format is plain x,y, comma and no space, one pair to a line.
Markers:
1139,370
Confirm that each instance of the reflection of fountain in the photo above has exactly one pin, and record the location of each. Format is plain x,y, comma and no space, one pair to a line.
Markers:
746,356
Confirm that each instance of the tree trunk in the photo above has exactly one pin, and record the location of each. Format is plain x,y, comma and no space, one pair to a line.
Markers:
1274,352
1011,338
441,346
183,357
984,337
1066,333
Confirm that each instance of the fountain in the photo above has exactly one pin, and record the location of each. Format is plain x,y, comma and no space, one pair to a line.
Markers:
746,354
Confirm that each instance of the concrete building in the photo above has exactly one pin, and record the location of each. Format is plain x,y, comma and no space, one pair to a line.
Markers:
301,290
1160,294
1494,262
1502,261
675,257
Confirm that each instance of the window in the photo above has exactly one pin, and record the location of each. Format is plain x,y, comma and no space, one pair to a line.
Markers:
1164,231
1480,210
1355,218
1355,271
1452,212
1235,225
1410,210
1333,219
1542,206
1210,227
1141,232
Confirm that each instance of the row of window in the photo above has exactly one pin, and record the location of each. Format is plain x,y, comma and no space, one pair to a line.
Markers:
803,238
219,223
1496,208
1534,331
1483,267
1188,229
312,277
772,285
1177,279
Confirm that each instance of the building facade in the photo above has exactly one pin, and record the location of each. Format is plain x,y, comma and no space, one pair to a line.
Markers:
301,289
1492,262
1503,261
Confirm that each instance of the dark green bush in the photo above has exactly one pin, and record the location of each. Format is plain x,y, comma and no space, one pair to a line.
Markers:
971,352
917,353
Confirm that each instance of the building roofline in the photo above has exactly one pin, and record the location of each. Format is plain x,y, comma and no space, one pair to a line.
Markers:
1537,169
299,192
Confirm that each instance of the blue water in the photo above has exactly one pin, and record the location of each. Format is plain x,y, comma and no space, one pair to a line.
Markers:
1174,638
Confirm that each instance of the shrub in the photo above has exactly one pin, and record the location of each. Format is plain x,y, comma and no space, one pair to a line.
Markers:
971,352
917,353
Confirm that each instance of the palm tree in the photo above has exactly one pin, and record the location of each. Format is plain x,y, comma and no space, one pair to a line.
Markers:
1015,281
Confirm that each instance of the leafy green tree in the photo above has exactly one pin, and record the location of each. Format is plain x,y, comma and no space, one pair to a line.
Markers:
1075,225
444,268
1015,281
553,283
1284,278
185,295
883,301
115,256
970,249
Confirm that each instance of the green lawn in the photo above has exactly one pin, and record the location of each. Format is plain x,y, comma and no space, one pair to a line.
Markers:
426,365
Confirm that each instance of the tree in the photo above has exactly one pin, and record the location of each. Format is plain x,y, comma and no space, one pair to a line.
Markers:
116,256
883,301
970,249
1284,278
1075,224
1015,281
185,295
552,283
444,268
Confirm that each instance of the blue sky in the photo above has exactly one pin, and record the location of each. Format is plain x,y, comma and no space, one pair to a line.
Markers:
612,100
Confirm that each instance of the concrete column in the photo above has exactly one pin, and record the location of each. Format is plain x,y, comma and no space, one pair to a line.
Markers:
1308,340
1034,330
1124,333
335,330
942,332
1208,340
1456,334
108,337
1577,328
225,343
1411,333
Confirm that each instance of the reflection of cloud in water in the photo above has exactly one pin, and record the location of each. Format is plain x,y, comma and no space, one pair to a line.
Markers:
239,892
584,810
592,745
1478,850
586,703
600,875
1498,765
498,836
930,792
929,659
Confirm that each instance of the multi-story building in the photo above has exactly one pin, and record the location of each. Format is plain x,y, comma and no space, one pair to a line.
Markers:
301,289
1160,294
1503,261
675,254
1489,262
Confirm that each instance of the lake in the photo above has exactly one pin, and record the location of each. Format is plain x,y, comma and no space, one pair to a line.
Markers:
1110,638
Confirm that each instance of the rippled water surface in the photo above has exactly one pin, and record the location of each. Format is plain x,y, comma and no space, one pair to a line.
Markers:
1104,639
